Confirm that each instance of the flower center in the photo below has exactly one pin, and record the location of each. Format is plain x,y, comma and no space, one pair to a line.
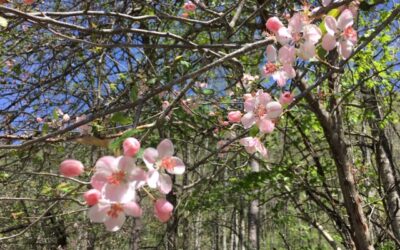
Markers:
115,209
261,110
350,34
168,163
270,68
116,178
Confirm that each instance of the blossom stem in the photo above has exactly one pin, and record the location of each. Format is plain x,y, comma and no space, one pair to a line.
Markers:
149,194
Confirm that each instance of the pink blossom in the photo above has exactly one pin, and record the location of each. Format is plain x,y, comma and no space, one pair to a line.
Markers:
253,145
113,214
286,98
300,32
189,6
92,197
131,146
259,112
273,24
340,34
39,119
71,168
117,178
163,210
234,116
279,65
162,158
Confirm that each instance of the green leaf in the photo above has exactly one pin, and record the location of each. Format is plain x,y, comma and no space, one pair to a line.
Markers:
3,22
121,118
208,91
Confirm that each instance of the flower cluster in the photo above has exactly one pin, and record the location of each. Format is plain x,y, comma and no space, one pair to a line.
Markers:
262,111
116,180
300,38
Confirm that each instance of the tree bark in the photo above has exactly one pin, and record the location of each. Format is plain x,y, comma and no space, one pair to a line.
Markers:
332,127
382,157
254,215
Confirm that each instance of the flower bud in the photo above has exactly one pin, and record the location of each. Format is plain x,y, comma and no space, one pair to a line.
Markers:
273,24
71,168
234,116
131,146
286,98
92,197
163,210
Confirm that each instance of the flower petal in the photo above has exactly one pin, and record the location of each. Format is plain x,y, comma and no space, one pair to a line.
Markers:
271,53
119,193
345,19
165,183
138,177
165,148
330,25
248,120
296,23
153,177
328,42
280,78
114,224
150,156
307,50
98,181
98,213
284,36
287,54
274,110
106,165
126,163
345,48
179,166
312,33
249,104
266,125
133,209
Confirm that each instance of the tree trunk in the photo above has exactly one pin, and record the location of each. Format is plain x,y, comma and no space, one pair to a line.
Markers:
332,127
254,215
382,158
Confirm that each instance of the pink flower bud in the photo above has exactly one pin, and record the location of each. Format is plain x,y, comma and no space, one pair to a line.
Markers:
273,24
163,210
274,110
131,146
286,98
234,116
39,119
189,6
71,168
92,197
133,209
